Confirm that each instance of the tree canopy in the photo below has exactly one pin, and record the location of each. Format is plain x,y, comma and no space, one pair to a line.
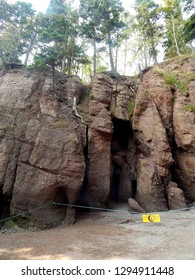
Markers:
98,33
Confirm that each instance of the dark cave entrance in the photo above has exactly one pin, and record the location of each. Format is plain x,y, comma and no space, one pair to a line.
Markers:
4,206
61,199
123,183
60,196
1,200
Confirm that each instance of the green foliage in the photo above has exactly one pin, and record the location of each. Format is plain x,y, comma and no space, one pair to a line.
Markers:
180,80
101,68
189,107
3,127
10,224
60,38
101,22
189,29
174,41
57,7
15,36
48,57
91,96
131,107
148,28
172,80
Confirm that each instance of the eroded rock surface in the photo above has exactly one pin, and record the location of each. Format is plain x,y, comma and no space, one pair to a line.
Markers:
108,154
41,146
109,171
164,126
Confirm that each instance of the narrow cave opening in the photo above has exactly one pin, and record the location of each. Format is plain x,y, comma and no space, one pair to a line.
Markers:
1,200
60,196
174,150
4,206
123,181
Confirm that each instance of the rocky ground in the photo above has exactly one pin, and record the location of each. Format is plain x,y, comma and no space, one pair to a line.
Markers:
104,235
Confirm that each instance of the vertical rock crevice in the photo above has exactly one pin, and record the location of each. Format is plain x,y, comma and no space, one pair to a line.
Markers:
83,199
1,201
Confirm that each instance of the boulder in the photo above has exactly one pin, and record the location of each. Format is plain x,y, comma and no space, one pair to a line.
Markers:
176,198
185,170
134,206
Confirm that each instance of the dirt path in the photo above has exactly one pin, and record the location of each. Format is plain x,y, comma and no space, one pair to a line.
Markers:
102,236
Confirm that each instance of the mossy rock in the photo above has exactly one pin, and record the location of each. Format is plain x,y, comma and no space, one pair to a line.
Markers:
131,107
176,79
189,107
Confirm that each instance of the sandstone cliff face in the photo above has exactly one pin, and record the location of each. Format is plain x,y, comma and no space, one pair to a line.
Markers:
164,126
41,146
47,153
108,176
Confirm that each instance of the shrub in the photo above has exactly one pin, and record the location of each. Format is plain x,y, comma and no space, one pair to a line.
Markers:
189,107
131,107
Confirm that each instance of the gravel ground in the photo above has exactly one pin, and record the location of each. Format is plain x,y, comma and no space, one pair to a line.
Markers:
106,235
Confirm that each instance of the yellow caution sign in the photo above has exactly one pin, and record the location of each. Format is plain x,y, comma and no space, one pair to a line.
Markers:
151,218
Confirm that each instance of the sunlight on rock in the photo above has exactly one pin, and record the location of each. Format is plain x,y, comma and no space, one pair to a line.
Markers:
51,257
22,250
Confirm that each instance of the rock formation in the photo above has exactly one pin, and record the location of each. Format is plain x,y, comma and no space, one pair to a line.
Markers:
41,146
164,126
47,154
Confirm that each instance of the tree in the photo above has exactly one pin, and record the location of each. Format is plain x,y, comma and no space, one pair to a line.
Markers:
188,5
101,22
51,32
111,25
57,7
5,12
22,13
174,41
189,29
15,35
91,13
51,57
148,28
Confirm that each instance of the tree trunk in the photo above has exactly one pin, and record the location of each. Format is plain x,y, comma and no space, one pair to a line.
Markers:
174,35
70,66
53,79
110,53
125,58
72,56
94,56
2,59
145,54
63,64
64,58
29,51
116,59
154,52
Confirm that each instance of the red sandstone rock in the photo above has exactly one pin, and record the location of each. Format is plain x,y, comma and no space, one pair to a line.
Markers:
41,147
176,198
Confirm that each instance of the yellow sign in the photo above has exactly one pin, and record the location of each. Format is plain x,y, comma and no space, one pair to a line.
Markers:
151,218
